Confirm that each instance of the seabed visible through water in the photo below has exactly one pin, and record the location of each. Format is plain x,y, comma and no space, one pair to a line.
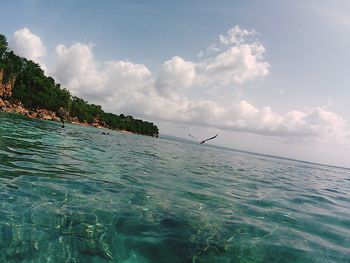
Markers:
75,195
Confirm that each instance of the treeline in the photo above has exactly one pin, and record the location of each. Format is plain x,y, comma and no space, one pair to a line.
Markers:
37,91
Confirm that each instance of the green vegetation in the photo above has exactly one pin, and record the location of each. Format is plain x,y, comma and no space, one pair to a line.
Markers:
37,91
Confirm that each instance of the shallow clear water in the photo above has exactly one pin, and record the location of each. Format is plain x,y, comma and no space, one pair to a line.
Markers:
76,195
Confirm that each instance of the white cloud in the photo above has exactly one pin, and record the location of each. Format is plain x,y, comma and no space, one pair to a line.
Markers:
28,45
85,76
175,74
123,86
310,124
75,65
236,36
233,60
234,66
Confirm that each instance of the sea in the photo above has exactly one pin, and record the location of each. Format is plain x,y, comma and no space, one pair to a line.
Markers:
77,195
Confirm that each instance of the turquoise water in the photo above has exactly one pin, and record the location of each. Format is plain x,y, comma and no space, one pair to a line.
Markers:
75,195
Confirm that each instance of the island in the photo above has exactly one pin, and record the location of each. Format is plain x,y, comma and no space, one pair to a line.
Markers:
25,89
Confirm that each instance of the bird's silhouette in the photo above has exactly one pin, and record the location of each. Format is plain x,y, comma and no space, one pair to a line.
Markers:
202,141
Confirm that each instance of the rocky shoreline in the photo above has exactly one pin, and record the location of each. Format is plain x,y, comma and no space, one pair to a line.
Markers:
43,114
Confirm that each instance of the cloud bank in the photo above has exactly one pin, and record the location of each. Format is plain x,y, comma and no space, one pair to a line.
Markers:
122,86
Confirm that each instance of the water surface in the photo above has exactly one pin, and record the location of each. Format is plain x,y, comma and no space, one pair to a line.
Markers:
76,195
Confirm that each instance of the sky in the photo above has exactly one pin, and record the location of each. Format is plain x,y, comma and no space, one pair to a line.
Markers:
269,76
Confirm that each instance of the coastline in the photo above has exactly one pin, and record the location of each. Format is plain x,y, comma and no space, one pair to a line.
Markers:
47,115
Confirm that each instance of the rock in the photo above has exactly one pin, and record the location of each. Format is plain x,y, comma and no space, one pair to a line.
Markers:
29,115
44,114
19,109
7,104
47,117
74,120
2,104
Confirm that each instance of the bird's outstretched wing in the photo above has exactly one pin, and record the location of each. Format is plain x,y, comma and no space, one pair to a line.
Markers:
209,139
193,137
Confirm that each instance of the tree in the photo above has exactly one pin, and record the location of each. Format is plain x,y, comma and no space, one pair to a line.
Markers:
3,45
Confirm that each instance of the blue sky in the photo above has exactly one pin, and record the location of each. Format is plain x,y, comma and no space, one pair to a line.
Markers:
271,76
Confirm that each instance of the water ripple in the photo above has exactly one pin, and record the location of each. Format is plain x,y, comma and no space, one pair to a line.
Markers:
74,195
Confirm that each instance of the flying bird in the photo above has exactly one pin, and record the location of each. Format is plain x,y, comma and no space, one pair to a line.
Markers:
202,141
